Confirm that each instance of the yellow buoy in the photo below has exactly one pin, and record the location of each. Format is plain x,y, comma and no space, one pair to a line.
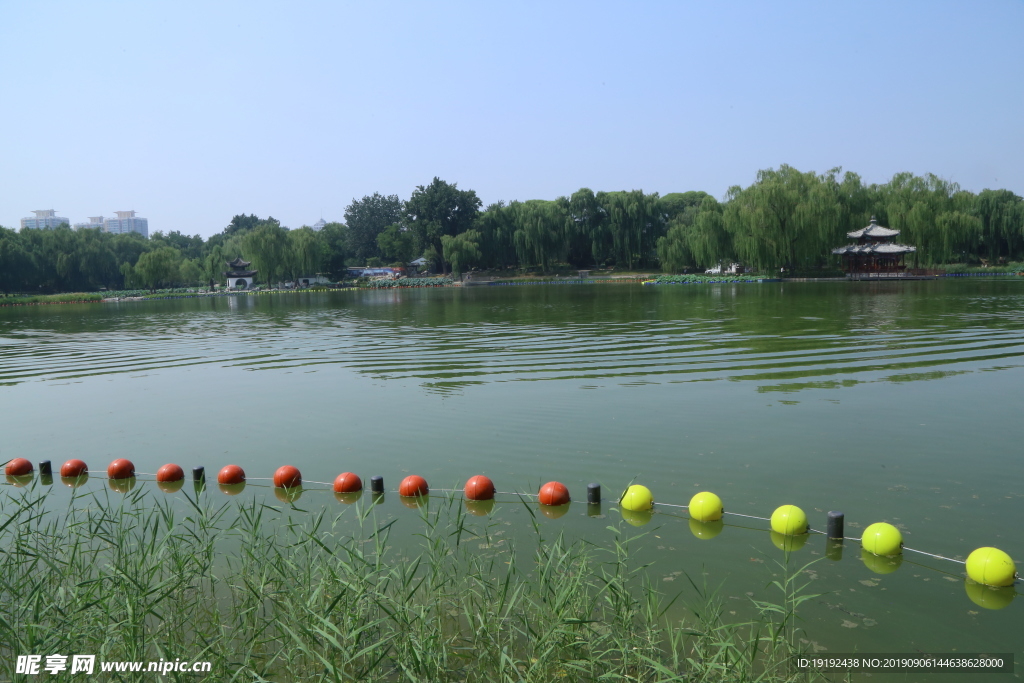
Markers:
789,520
882,539
991,566
788,542
637,498
706,507
880,564
706,530
989,597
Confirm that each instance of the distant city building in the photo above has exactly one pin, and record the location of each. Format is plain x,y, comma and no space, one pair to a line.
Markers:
319,225
45,218
126,221
94,222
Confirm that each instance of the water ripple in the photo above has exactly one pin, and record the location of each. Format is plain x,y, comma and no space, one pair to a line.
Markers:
460,339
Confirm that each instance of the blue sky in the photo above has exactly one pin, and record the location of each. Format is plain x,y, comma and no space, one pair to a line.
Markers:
191,112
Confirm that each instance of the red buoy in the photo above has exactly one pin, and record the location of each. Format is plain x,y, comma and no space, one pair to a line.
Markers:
413,485
553,493
346,482
287,477
170,472
73,468
122,468
479,488
231,474
18,467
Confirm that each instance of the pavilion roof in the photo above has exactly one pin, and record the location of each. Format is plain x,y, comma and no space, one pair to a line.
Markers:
873,229
238,263
877,248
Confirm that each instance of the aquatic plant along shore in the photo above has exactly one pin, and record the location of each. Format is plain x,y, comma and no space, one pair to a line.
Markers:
264,594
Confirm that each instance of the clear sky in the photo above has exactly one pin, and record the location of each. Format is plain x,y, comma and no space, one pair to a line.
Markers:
191,112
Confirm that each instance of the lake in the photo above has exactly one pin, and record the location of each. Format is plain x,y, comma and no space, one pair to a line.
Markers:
897,402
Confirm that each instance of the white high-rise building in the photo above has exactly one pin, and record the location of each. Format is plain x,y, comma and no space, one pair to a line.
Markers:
94,222
46,218
319,225
126,221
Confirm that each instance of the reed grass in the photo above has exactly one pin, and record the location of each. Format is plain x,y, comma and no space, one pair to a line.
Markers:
69,297
272,594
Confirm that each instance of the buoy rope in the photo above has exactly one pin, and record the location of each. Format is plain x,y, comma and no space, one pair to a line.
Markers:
534,495
747,516
941,557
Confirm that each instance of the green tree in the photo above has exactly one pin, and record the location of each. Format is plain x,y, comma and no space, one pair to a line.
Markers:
17,266
397,243
635,224
496,228
1001,224
462,250
190,272
242,224
335,238
268,247
368,217
540,232
158,267
307,252
785,219
439,209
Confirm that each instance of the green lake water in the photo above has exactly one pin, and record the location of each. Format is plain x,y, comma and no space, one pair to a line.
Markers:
898,402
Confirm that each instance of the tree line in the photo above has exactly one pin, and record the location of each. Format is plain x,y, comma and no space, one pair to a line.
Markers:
785,219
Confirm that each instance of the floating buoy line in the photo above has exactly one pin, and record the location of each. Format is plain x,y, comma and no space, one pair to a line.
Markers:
991,573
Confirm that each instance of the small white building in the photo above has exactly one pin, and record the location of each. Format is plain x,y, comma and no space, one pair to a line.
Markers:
308,280
239,276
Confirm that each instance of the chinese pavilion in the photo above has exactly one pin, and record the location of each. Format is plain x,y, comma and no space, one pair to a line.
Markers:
874,255
239,276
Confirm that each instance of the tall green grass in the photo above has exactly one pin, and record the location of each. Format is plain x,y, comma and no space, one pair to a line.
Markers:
267,594
70,297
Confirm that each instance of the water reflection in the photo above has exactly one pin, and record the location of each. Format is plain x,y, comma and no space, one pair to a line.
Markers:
988,596
780,338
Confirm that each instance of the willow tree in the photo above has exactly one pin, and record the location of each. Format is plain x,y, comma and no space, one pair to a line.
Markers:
1001,218
698,241
589,240
267,247
159,267
786,218
462,250
635,225
540,237
496,226
17,267
306,252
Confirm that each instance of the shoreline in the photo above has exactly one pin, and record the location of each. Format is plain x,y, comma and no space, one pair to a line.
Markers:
422,283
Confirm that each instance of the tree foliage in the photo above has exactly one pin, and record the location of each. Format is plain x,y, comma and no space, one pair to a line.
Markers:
440,209
784,219
366,219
